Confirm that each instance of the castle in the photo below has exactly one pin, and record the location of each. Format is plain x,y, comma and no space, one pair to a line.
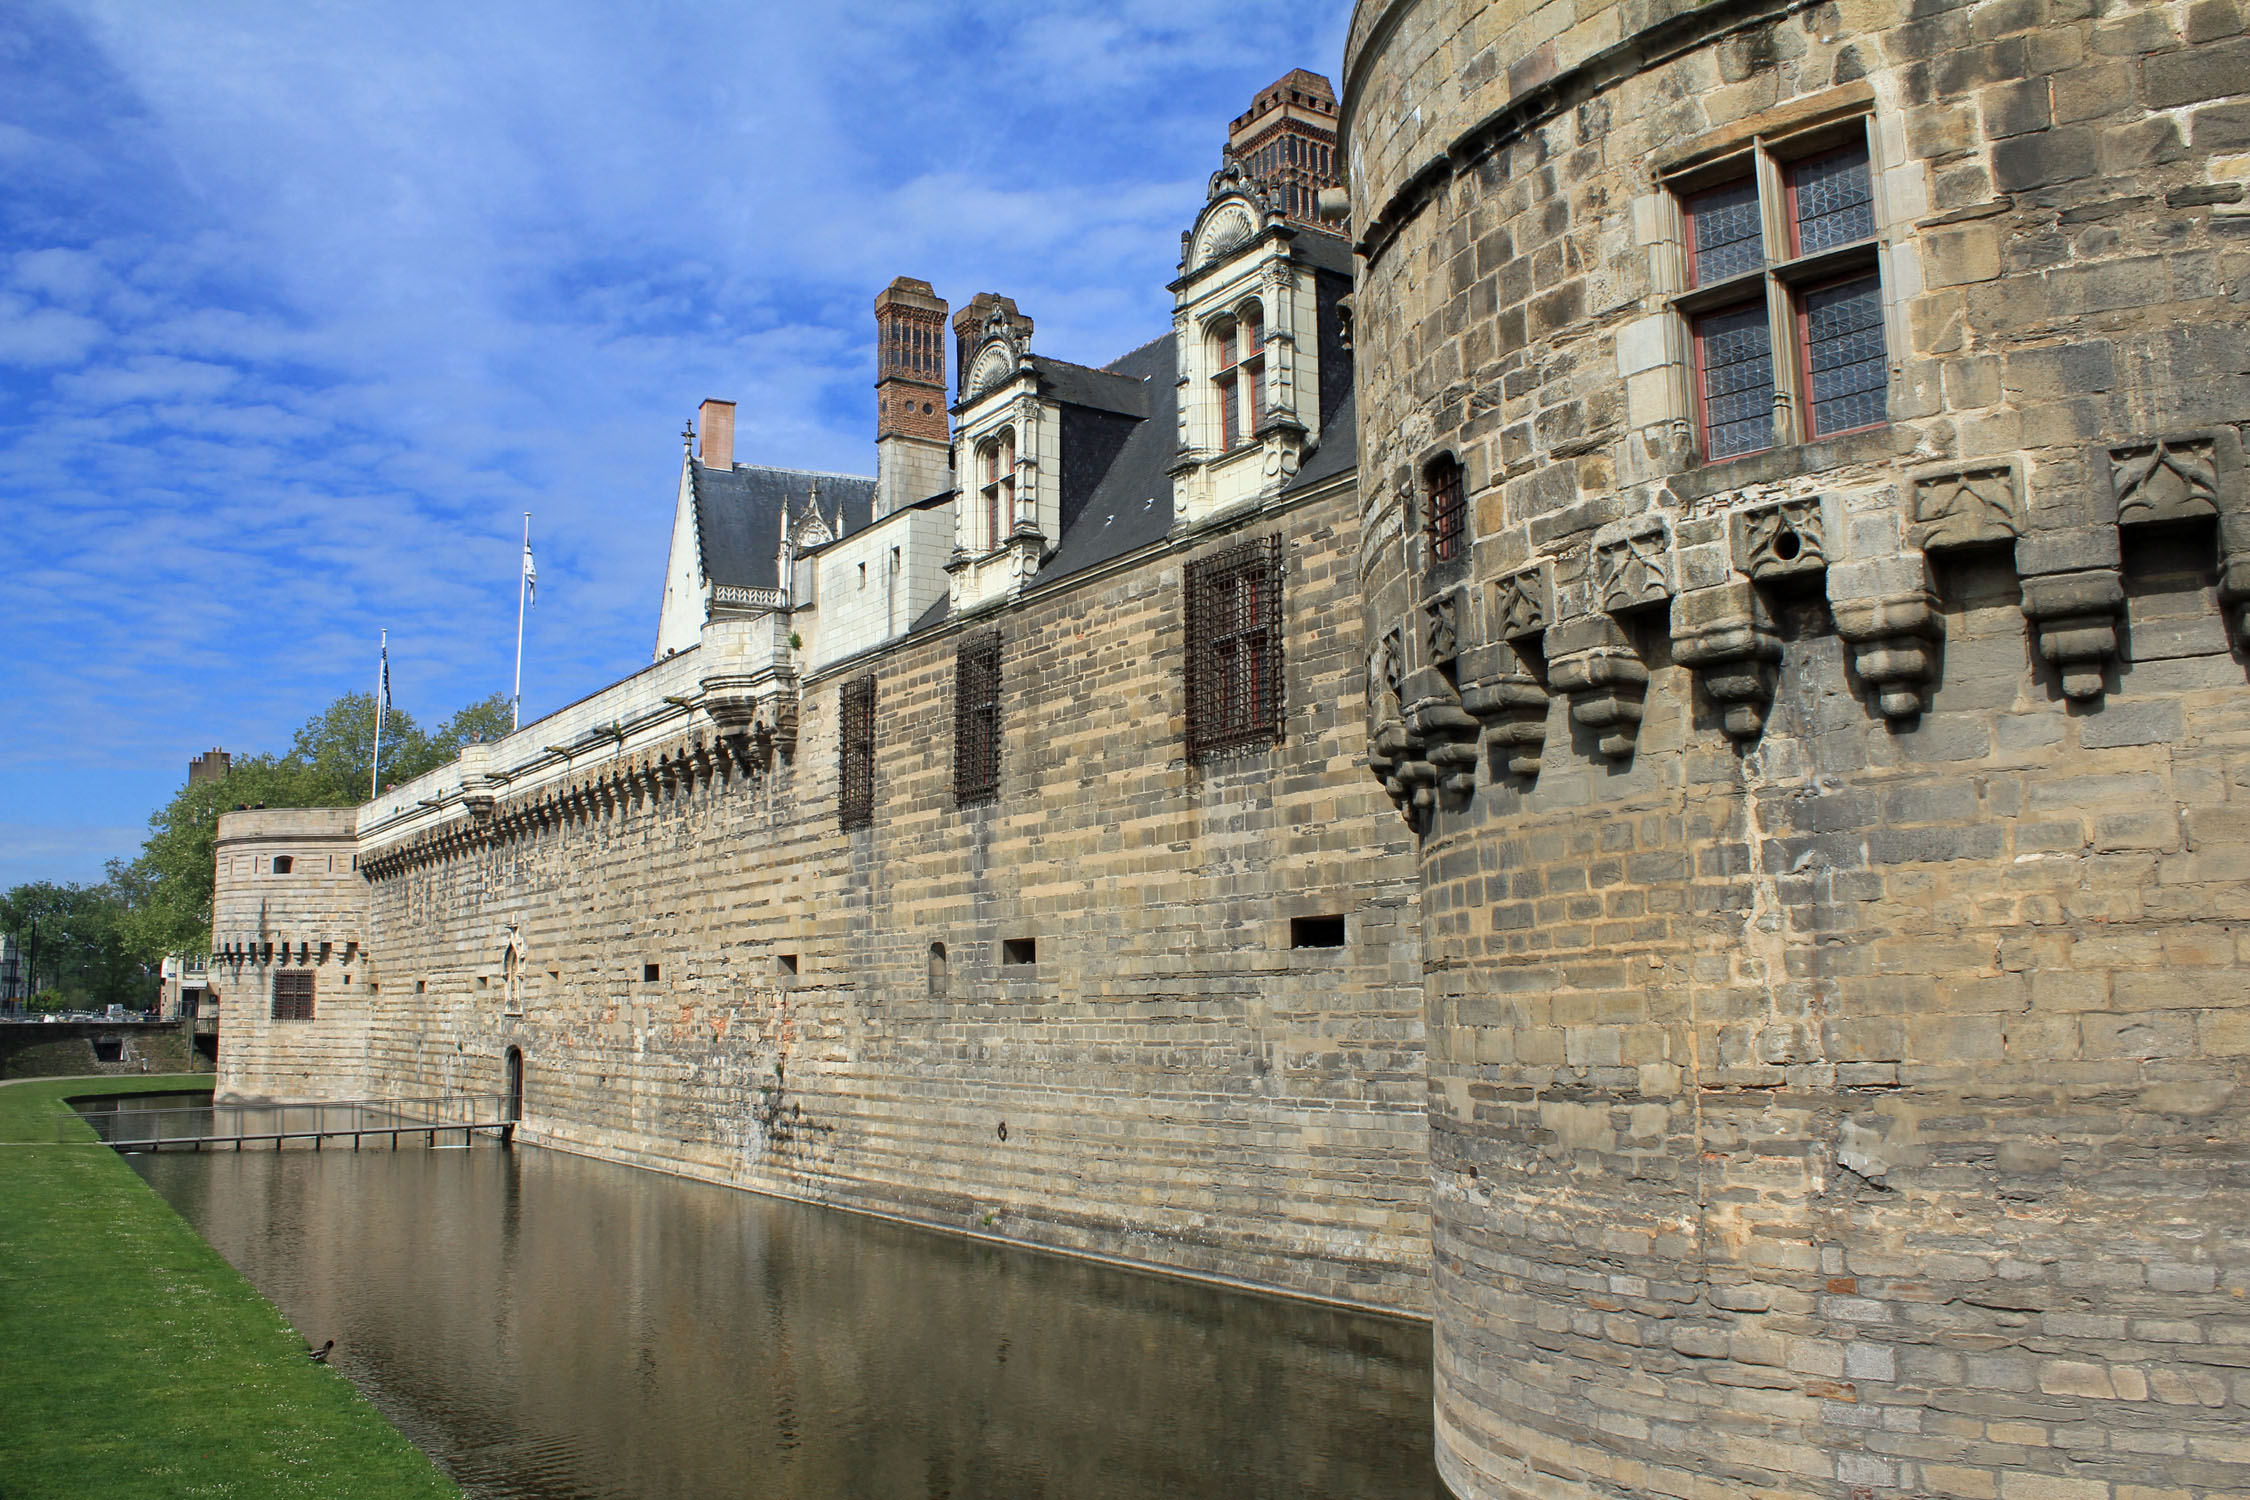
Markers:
1639,757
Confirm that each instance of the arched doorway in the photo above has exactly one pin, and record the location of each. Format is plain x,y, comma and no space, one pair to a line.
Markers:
515,1084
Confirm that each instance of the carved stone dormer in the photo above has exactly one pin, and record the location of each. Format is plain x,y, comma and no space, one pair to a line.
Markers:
1006,460
1245,318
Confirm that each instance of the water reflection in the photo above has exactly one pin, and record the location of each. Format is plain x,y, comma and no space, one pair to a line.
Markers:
549,1326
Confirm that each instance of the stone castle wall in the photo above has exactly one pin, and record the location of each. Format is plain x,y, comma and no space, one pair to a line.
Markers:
312,919
1836,861
718,980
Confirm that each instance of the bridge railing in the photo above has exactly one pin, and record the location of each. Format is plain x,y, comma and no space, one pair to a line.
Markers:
218,1123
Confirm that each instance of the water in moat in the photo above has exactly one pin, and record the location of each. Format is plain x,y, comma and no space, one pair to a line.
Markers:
549,1326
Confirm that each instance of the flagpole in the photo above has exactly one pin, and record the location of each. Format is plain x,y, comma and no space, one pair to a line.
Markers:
515,699
382,664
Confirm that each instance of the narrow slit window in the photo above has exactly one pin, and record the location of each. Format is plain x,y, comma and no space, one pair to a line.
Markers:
976,720
855,753
1448,508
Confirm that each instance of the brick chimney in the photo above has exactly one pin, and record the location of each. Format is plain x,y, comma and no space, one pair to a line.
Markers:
913,433
1286,139
714,423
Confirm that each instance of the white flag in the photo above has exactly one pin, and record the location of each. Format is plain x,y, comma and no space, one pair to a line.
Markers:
530,577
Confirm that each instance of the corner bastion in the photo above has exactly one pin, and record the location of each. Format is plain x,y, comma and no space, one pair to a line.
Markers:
1805,547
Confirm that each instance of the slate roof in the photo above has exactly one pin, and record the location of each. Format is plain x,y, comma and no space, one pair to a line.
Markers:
738,515
1131,505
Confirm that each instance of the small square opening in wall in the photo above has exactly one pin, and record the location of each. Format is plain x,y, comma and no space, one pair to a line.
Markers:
1019,950
785,964
1316,932
421,986
650,973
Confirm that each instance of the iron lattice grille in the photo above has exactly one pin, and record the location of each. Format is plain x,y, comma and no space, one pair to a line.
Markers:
976,720
1449,509
293,996
1234,689
855,753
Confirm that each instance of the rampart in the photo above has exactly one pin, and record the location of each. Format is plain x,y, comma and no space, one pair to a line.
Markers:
288,900
1835,872
1079,1014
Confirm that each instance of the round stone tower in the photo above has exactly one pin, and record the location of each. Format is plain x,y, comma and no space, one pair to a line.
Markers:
1806,562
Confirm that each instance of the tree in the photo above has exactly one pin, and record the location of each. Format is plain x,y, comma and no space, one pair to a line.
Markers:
77,941
327,765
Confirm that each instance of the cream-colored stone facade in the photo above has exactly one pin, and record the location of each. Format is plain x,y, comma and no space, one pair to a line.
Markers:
306,917
1834,871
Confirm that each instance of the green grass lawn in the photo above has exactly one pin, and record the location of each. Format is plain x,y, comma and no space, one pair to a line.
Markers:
134,1361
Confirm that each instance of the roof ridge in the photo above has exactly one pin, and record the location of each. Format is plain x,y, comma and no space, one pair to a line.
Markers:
785,469
1093,369
1111,367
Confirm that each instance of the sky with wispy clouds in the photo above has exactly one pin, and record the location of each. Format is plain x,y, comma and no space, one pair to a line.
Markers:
302,306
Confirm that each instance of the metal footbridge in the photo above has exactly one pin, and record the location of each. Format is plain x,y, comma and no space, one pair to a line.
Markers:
360,1121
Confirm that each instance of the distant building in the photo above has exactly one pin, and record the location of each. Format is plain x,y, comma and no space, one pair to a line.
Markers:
209,766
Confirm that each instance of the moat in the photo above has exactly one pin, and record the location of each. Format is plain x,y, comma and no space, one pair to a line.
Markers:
550,1326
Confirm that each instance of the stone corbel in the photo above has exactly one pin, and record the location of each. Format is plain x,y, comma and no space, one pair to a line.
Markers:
476,781
1592,659
1394,748
1499,688
1434,710
1887,612
1500,683
1725,634
2073,595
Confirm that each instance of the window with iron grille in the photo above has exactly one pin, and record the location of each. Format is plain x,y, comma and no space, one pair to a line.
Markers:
976,720
855,752
1785,299
1448,526
1234,648
293,995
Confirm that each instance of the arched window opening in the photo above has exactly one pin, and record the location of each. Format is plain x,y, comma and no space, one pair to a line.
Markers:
938,977
283,864
1446,508
1239,372
997,465
513,1083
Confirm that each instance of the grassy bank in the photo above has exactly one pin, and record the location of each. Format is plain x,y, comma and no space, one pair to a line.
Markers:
134,1361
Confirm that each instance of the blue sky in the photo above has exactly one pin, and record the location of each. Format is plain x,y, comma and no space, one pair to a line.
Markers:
301,306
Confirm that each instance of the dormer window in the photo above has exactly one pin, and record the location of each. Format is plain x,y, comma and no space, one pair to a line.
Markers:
996,464
1239,372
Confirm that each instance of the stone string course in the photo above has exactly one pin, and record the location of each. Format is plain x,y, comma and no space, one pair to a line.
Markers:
1170,1082
1836,861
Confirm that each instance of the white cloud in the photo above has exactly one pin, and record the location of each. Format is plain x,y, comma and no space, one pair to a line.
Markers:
300,307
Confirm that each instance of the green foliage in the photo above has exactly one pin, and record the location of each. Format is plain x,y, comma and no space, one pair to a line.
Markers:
115,935
77,943
139,1364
